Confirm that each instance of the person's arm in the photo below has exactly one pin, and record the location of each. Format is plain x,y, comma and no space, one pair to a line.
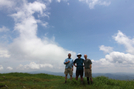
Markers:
90,66
74,63
83,63
65,62
72,68
84,68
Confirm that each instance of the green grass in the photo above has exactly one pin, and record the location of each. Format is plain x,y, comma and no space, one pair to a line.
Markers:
45,81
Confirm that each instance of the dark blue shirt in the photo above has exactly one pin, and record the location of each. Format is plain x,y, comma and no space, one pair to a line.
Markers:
79,63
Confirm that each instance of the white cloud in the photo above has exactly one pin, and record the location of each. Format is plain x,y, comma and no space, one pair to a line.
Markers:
34,65
58,0
127,42
47,54
45,24
28,9
68,4
1,67
116,61
50,1
4,29
7,3
118,57
4,53
92,3
44,53
106,49
61,0
9,68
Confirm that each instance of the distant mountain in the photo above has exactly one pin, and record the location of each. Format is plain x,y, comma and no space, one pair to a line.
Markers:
117,76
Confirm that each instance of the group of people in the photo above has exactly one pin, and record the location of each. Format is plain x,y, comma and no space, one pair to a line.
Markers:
82,65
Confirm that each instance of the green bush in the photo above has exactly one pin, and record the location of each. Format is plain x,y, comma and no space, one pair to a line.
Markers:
2,85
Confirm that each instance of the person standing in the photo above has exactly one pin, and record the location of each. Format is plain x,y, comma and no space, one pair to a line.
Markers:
79,67
88,71
69,67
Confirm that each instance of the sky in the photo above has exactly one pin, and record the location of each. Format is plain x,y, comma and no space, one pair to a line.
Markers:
37,35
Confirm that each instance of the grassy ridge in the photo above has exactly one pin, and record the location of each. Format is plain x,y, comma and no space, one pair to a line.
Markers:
45,81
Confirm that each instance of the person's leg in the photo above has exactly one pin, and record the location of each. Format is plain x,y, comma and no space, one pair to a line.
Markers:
91,80
66,78
81,78
88,80
70,73
77,74
91,76
87,75
66,72
81,75
76,77
71,77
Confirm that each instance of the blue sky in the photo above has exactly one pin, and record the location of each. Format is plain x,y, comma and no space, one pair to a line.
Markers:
38,34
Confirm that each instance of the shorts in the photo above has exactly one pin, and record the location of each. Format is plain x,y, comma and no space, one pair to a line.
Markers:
88,73
68,70
79,72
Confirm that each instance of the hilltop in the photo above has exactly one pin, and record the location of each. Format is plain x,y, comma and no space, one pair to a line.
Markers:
46,81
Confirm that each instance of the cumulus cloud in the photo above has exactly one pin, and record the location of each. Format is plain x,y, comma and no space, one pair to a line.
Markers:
37,53
106,49
119,57
9,68
62,0
58,0
44,53
34,65
4,53
7,3
50,1
116,61
126,41
1,67
92,3
45,24
4,29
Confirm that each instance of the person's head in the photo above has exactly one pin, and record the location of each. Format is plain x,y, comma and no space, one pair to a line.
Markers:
69,55
85,56
79,55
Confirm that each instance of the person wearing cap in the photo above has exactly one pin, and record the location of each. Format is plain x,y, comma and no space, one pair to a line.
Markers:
69,67
88,71
79,67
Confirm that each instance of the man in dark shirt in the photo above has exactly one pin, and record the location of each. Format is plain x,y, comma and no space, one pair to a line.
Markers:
79,67
88,71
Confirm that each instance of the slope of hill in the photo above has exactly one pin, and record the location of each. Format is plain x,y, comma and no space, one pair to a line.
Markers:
117,76
45,81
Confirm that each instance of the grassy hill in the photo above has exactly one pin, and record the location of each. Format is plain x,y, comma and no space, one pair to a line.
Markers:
45,81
